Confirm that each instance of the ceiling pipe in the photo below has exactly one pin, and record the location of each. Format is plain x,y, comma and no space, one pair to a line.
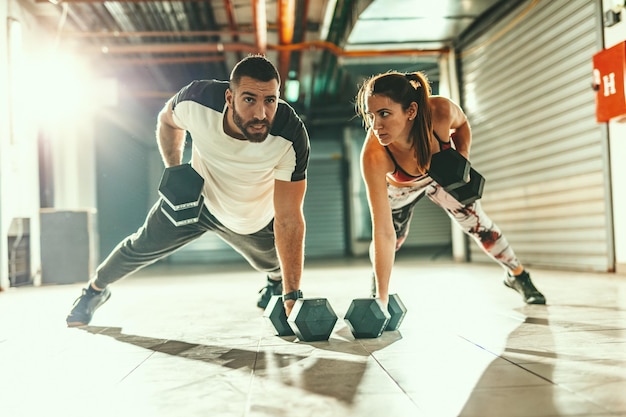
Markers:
250,48
174,48
286,21
142,34
340,52
102,1
167,60
260,25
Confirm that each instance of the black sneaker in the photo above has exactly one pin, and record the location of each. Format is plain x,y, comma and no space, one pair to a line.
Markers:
523,285
272,288
85,306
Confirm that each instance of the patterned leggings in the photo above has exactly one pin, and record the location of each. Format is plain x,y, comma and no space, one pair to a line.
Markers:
472,219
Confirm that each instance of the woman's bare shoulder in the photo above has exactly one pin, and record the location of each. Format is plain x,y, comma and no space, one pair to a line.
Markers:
374,157
440,104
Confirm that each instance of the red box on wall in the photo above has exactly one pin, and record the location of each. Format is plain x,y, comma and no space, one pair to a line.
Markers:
608,80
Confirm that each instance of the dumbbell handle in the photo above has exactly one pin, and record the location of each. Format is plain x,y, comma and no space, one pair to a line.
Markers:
454,173
449,169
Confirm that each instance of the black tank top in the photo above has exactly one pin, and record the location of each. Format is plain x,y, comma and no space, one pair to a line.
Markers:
399,175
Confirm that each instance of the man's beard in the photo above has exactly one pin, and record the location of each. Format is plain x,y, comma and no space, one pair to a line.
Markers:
252,137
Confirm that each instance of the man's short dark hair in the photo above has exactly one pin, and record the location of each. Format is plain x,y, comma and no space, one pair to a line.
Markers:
254,66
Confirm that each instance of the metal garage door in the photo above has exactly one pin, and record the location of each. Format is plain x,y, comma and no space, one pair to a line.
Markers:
324,205
526,89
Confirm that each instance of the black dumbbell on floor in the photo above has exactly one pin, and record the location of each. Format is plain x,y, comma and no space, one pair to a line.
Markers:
455,174
397,310
367,318
311,319
181,192
277,317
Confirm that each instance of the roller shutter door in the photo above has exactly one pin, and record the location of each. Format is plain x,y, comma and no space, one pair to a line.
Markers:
535,139
325,202
430,229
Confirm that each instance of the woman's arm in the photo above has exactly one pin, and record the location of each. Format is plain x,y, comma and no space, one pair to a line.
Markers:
448,116
462,136
374,167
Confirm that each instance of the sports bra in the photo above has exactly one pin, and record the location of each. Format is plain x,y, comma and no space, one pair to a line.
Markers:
399,175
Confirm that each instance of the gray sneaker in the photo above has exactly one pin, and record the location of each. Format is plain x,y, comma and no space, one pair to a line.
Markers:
85,306
272,288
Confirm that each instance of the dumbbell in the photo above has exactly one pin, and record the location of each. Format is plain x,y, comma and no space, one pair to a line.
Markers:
455,174
181,192
276,316
311,319
397,310
449,169
367,318
470,192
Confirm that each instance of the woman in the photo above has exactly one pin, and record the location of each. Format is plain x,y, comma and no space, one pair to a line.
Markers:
405,127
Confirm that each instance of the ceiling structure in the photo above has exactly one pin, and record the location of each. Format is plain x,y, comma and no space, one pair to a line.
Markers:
153,48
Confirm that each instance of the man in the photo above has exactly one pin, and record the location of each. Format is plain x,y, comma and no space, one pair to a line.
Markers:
252,151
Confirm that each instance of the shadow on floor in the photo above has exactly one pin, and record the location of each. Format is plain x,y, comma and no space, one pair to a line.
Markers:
329,377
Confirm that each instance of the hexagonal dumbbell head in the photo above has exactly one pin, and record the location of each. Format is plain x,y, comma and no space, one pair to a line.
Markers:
397,310
312,319
275,315
181,187
471,191
184,216
449,168
366,318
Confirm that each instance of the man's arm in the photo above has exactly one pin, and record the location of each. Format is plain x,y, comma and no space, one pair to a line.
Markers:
170,137
289,231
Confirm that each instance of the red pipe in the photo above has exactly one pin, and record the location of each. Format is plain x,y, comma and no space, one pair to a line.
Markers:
286,21
260,25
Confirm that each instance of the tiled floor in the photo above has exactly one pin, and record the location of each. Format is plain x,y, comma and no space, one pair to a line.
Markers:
188,341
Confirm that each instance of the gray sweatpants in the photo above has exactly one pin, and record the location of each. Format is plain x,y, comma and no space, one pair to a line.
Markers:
158,237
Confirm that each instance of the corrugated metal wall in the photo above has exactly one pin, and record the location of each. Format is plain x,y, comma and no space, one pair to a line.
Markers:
430,227
528,96
325,202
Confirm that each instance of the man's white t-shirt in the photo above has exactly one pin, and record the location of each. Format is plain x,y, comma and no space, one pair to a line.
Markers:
239,175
